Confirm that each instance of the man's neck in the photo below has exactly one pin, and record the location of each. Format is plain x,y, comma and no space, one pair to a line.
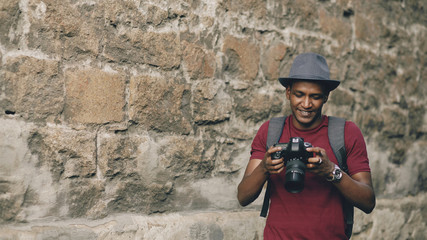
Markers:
308,126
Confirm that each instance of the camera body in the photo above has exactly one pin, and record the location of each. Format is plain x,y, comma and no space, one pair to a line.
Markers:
295,157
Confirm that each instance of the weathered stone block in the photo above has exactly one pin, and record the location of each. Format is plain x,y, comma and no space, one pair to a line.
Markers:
85,43
395,122
244,54
159,104
299,14
124,14
25,188
397,170
12,198
257,105
416,120
199,63
410,175
368,121
94,96
195,226
51,24
9,12
137,46
32,89
337,27
183,156
255,8
271,60
67,153
117,154
121,13
161,50
135,195
211,104
366,28
83,198
397,218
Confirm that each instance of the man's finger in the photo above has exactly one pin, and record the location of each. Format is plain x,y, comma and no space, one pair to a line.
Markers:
274,149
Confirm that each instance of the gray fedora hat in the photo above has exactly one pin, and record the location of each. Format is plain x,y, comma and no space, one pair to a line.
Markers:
311,67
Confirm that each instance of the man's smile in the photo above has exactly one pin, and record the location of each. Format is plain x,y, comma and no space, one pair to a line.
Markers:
305,113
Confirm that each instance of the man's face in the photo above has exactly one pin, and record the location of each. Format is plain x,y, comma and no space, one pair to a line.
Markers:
306,99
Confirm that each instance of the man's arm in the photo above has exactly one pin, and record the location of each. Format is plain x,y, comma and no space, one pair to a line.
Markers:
256,174
356,188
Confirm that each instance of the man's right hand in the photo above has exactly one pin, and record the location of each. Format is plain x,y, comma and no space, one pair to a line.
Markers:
256,174
273,166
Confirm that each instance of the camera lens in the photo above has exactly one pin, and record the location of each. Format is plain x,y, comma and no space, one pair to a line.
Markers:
294,176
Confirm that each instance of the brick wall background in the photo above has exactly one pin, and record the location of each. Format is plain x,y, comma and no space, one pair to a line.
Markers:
133,119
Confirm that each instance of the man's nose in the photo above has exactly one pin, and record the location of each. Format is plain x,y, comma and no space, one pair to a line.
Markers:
306,103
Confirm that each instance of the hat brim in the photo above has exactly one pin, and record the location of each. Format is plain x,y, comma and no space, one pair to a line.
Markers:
330,84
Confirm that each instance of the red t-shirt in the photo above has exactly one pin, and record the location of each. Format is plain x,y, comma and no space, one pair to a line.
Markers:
316,212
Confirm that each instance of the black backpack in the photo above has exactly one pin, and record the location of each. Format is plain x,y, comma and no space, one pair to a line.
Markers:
336,140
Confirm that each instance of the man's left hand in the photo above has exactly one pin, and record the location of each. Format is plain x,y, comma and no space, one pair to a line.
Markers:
320,163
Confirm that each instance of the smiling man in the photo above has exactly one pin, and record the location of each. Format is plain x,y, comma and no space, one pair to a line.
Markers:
316,211
306,99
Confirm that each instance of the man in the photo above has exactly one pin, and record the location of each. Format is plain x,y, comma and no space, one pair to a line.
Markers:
316,212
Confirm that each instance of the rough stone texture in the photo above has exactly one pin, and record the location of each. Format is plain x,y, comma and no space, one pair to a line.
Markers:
159,103
242,57
271,60
212,104
400,218
199,64
94,96
133,119
32,89
66,153
173,226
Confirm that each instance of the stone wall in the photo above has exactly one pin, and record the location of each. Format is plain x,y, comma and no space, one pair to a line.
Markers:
126,119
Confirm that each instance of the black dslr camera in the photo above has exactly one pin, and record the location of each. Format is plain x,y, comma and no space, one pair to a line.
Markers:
295,156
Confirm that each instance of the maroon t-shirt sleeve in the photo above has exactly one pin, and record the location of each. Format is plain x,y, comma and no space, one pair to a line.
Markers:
259,144
357,156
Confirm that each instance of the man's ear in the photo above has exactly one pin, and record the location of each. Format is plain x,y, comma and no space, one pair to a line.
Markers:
288,92
325,98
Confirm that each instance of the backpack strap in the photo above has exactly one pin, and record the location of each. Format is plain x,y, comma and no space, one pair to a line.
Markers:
336,128
266,202
275,129
336,140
